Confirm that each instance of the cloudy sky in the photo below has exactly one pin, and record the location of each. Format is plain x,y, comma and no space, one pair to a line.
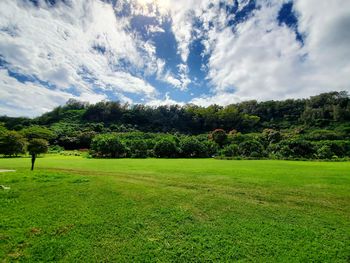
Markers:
169,51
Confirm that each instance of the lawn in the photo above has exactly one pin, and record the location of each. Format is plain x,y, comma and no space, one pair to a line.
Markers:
73,209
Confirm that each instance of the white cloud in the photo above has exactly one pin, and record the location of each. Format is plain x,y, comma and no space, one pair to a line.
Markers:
155,29
32,99
128,83
222,98
169,78
262,60
84,46
56,44
166,101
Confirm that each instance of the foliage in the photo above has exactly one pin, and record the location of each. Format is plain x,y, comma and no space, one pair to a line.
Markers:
324,110
319,135
165,148
38,146
272,136
219,136
325,152
193,148
108,145
55,149
252,148
37,132
137,148
294,148
280,129
230,150
12,143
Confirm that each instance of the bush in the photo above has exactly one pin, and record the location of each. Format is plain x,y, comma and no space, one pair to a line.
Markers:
340,148
272,136
318,135
325,152
211,147
219,136
247,148
108,145
165,148
295,148
230,150
192,148
137,148
55,149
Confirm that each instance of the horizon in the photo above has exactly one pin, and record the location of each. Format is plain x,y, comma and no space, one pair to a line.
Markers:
166,52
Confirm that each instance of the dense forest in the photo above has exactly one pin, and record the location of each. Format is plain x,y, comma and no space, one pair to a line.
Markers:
317,127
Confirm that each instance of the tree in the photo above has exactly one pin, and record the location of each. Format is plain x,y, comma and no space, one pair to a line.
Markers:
38,132
35,147
12,143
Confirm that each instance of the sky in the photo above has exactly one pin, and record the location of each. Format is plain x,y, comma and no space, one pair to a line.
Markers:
163,52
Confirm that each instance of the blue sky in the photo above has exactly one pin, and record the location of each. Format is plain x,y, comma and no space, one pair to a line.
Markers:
169,52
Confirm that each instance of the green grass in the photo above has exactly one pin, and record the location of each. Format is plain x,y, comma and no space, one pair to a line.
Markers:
72,209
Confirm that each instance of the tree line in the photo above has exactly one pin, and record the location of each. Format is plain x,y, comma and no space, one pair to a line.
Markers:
317,127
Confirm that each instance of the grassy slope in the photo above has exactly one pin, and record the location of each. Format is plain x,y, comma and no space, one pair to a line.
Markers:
75,209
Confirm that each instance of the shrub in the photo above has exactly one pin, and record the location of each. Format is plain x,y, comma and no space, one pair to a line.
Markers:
246,148
137,148
318,135
230,150
85,138
55,149
219,136
295,148
341,148
211,147
191,147
108,145
325,152
165,148
272,136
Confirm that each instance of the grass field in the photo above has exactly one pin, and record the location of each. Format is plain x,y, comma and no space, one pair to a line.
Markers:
73,209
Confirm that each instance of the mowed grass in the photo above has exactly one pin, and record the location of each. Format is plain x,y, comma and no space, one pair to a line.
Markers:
72,209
